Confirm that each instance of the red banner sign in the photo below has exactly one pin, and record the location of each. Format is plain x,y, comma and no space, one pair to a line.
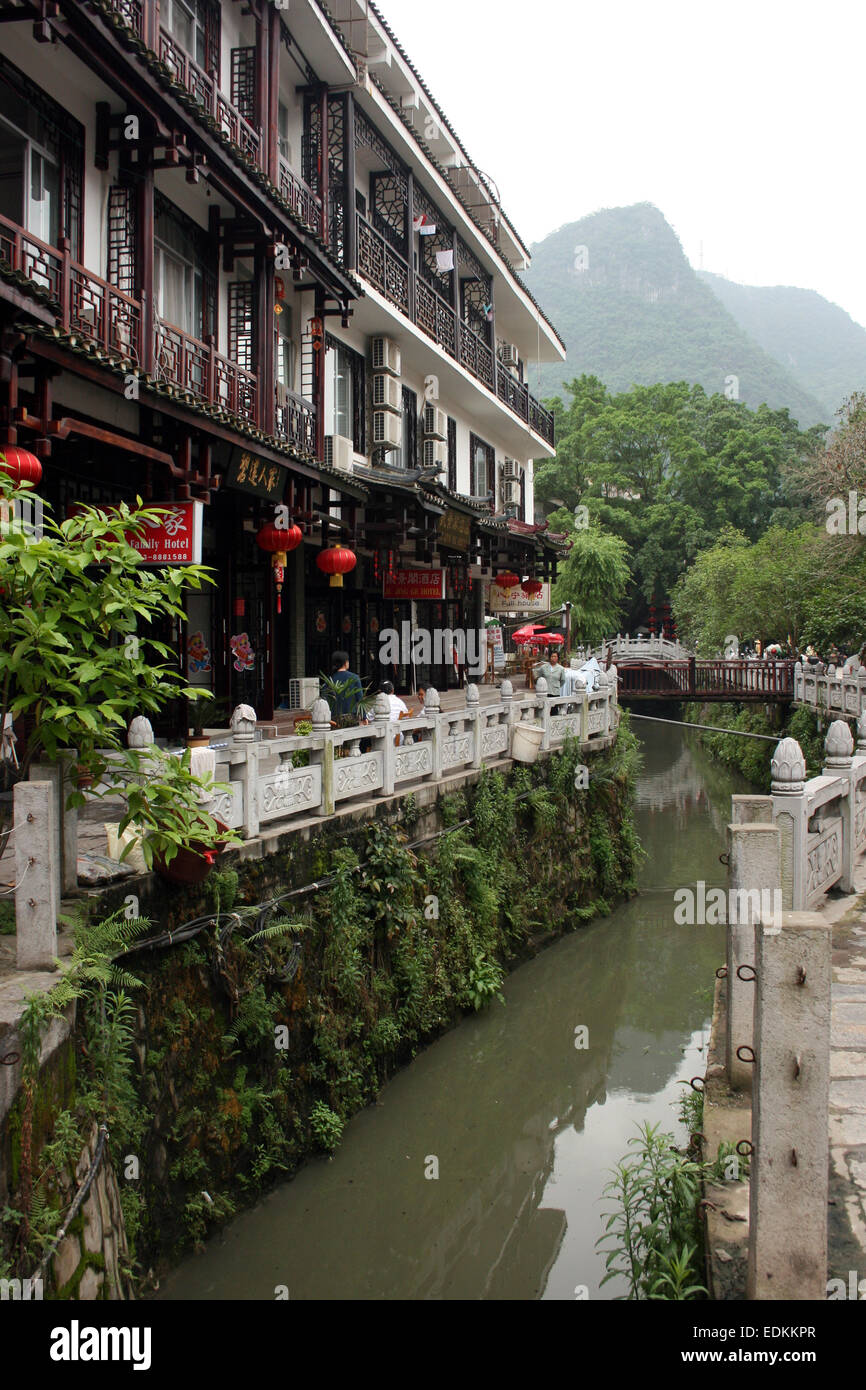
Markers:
415,584
174,540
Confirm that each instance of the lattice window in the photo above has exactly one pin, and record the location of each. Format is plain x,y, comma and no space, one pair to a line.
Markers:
122,238
366,134
469,262
452,454
337,175
62,137
212,27
389,199
311,145
244,82
475,307
241,344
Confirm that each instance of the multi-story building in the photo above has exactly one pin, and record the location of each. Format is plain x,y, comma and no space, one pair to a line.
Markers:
246,263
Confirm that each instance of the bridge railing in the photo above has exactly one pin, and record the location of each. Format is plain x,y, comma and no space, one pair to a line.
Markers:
844,695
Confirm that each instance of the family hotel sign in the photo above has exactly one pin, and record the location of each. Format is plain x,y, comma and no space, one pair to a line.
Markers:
175,539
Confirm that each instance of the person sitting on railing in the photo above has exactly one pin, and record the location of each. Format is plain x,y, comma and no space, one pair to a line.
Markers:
399,710
856,663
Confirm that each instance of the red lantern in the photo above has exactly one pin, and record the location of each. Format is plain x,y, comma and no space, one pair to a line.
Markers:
21,466
532,587
507,580
279,540
336,562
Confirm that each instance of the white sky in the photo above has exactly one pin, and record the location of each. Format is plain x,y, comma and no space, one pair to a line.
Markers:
742,120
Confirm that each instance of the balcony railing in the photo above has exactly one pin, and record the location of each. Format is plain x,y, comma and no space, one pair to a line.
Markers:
390,273
90,307
204,90
132,13
197,367
304,203
295,420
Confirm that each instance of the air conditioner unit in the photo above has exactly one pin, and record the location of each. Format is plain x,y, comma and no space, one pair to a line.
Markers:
387,393
386,356
509,356
339,452
435,422
435,455
387,430
510,491
510,468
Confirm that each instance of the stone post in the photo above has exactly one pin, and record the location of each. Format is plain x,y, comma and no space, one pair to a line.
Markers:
791,1096
543,708
861,733
320,715
506,695
387,731
432,705
754,859
53,773
838,762
473,711
36,878
243,725
68,827
788,771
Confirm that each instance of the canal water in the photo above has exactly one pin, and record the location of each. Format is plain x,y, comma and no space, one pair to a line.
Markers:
523,1125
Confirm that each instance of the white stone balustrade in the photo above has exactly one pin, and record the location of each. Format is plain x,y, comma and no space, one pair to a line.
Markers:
837,694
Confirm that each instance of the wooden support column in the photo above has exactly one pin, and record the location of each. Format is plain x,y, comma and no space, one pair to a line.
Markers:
324,166
319,400
271,97
410,241
351,219
265,298
145,268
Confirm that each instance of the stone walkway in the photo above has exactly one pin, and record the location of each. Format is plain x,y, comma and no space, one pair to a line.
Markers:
847,1121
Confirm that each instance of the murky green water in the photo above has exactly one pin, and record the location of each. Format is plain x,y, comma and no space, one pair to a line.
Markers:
523,1124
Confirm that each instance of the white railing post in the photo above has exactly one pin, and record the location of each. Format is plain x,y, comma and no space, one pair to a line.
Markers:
791,815
35,875
432,706
838,762
542,706
473,711
320,715
788,1180
387,734
243,725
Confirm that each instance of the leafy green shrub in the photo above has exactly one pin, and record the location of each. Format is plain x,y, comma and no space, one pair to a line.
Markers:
327,1128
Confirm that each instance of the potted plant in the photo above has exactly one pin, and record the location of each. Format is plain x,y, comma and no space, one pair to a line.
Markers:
179,838
197,710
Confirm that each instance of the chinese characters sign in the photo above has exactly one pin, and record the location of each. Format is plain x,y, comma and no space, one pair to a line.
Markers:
415,584
251,474
516,601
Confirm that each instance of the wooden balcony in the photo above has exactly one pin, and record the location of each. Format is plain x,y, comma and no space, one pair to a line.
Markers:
203,89
90,307
197,367
304,203
391,274
295,420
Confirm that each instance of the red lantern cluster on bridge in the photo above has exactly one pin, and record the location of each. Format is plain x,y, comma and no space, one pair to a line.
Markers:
279,540
336,561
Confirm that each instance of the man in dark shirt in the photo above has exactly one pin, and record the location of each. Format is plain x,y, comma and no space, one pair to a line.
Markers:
351,691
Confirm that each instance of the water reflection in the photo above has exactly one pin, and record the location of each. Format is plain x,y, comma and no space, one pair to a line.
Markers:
524,1124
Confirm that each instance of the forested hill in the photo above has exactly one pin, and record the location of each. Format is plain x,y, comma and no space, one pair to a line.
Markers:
639,314
814,339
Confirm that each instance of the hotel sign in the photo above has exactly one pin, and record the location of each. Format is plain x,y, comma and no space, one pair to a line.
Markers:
455,529
248,473
174,539
516,601
415,584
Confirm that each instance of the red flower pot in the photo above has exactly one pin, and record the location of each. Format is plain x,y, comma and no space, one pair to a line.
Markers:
192,863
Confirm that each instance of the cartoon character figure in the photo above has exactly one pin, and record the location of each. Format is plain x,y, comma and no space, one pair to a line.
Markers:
242,651
197,654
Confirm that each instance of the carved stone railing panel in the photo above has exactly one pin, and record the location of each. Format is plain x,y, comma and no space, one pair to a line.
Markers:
289,791
361,776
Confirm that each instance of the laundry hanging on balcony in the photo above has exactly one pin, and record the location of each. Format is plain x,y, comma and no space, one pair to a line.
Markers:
422,224
444,261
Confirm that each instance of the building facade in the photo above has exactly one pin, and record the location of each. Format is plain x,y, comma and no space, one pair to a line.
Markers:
247,270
